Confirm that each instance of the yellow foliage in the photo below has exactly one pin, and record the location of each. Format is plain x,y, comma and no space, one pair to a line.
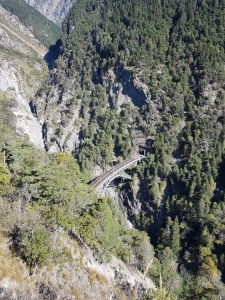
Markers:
209,269
212,184
101,279
67,160
87,230
120,159
61,157
94,276
10,267
218,242
76,292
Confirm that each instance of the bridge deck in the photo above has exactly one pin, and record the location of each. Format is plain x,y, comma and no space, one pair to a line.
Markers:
113,171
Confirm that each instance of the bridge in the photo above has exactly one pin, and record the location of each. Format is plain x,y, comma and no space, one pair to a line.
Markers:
101,183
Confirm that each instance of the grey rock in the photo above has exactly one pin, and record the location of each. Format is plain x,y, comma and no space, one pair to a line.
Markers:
18,81
54,10
26,123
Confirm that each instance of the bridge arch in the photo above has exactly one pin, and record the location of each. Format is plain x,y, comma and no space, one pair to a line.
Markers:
101,183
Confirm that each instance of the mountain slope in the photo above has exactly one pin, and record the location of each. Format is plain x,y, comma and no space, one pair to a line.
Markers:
43,29
42,251
141,73
21,74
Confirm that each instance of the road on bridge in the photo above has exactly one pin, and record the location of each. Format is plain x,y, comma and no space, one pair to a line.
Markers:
119,167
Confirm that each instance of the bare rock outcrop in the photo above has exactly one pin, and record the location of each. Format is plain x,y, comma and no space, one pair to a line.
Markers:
54,10
81,278
11,82
21,72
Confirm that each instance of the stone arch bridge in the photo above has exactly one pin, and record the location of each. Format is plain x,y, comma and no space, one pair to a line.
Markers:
101,183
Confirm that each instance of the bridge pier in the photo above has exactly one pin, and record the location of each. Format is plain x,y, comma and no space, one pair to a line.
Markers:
102,188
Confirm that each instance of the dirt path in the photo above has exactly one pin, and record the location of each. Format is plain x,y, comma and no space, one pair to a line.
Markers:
41,51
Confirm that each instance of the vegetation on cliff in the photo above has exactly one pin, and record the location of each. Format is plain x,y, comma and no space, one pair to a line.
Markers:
44,197
43,30
171,55
176,50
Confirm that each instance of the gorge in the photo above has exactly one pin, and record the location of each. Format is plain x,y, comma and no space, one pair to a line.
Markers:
125,75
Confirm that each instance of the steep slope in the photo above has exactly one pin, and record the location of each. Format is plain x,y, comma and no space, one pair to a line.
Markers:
54,10
22,71
43,30
58,239
145,73
76,275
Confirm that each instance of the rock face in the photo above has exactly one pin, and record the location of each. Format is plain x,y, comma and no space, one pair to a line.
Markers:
21,72
83,278
13,34
12,82
63,132
54,10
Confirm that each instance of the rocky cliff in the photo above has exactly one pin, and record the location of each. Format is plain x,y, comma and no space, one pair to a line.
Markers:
54,10
136,73
81,278
21,73
77,273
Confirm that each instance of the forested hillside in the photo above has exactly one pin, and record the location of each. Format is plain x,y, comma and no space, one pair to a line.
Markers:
58,238
153,69
51,219
43,30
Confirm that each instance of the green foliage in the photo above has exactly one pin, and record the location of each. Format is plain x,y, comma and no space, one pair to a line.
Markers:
5,177
43,30
199,288
175,48
37,246
42,193
100,228
155,270
161,293
7,118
